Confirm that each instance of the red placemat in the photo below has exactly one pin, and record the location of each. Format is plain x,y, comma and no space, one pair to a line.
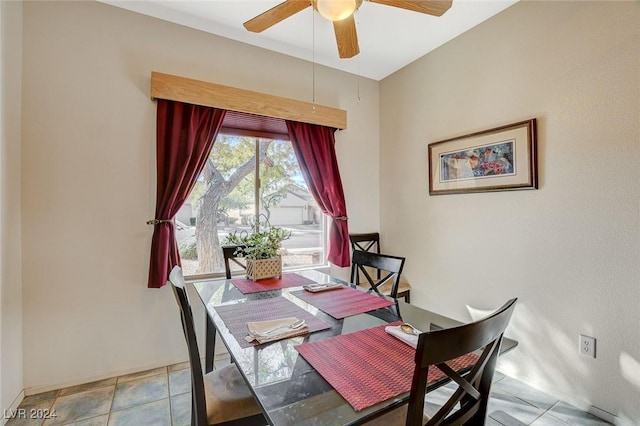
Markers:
247,286
344,302
236,316
369,366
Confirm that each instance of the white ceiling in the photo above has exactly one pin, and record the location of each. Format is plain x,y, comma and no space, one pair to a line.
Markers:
389,37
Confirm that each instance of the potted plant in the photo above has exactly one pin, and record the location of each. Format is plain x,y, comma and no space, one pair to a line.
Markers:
261,249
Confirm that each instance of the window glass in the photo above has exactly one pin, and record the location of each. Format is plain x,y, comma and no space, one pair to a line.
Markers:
227,197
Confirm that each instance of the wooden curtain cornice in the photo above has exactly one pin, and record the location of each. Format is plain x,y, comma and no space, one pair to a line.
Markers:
175,88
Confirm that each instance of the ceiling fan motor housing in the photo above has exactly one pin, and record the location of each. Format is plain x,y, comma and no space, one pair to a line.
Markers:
336,10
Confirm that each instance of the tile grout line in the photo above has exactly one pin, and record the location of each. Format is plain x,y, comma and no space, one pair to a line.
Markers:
556,418
545,412
52,405
534,420
141,378
169,393
113,397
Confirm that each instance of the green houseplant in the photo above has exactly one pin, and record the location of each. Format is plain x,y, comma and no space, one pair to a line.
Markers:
261,250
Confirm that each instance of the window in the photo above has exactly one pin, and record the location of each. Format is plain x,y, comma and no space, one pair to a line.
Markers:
248,177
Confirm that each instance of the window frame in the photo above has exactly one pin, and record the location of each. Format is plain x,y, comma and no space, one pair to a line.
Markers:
257,135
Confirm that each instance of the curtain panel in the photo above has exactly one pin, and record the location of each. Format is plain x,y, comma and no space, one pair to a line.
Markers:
314,146
184,136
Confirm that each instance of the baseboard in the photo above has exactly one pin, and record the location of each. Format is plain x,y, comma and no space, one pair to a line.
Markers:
605,415
571,400
220,353
221,359
54,386
6,412
584,406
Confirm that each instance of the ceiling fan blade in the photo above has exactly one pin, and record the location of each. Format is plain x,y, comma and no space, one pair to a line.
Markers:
276,14
346,37
430,7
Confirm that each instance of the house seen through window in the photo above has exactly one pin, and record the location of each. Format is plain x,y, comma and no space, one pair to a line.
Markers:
247,177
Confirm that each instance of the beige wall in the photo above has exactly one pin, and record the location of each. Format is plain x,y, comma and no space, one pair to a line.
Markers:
89,138
570,250
11,382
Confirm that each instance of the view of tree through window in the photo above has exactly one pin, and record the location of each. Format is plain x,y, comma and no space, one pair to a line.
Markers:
227,197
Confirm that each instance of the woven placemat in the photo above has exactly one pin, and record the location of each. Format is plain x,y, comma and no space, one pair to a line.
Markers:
369,366
344,302
237,316
247,286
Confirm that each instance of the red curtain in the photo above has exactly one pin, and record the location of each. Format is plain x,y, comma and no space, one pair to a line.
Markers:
315,149
184,136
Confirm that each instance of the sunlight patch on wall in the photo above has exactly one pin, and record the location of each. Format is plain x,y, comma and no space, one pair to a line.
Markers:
630,368
532,331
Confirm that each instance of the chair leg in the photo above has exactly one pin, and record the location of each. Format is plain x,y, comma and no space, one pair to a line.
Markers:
193,409
480,417
255,420
407,297
210,345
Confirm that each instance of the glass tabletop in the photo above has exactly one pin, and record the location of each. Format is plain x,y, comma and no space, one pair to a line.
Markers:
289,390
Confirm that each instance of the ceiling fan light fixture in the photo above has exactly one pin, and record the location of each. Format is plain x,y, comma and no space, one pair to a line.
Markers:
336,10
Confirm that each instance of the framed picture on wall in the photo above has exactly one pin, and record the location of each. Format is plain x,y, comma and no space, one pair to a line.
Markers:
499,159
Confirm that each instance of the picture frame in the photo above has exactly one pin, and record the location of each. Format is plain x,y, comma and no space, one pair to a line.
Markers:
499,159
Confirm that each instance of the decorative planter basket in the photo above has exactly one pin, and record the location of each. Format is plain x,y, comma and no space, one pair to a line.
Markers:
259,269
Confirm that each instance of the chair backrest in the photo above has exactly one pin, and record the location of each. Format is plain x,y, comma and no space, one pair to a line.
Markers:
229,254
437,347
199,407
369,241
389,265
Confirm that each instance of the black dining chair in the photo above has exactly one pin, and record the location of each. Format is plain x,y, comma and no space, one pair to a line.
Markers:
436,348
220,397
370,242
387,271
229,254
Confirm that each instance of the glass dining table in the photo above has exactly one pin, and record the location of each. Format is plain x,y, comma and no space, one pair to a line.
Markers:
288,388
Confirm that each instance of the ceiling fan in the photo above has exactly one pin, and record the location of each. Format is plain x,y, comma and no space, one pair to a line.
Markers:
340,12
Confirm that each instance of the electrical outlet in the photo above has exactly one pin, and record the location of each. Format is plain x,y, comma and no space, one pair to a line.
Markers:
587,346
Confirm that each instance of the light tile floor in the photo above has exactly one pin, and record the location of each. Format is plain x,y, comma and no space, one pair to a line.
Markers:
161,397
